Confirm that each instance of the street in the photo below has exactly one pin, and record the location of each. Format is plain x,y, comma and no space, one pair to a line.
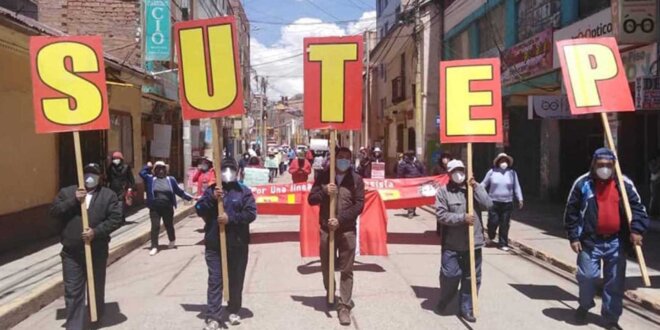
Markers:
284,291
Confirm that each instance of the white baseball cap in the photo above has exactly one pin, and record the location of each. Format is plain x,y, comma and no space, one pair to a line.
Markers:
455,164
377,149
160,163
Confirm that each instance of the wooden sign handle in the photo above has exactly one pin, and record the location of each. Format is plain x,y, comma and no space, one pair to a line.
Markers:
333,214
470,207
624,196
91,289
218,147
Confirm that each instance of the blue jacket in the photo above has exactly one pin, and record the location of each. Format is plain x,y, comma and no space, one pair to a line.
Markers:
149,179
581,215
241,208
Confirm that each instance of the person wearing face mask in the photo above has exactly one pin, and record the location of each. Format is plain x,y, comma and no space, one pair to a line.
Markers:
240,210
104,213
121,180
410,167
300,168
161,200
451,212
364,165
204,176
503,187
598,230
348,187
242,164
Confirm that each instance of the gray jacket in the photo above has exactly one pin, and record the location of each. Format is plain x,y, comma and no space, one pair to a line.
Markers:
451,207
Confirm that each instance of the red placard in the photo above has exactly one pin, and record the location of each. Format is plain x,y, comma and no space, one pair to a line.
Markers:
594,76
68,83
333,83
210,84
471,101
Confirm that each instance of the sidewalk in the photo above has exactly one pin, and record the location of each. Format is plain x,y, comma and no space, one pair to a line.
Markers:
29,283
538,230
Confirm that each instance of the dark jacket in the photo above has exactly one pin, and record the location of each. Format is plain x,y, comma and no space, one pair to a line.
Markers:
149,179
451,207
364,168
581,215
104,214
241,209
350,200
120,178
410,169
439,170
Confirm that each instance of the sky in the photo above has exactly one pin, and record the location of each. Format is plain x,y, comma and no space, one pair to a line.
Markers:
279,26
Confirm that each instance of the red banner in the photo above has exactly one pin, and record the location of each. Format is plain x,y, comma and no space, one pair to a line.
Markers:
209,68
371,233
286,199
333,83
68,83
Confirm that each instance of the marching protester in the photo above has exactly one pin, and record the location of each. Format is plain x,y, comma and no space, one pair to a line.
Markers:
441,167
242,164
204,176
318,164
254,162
503,187
240,210
410,167
364,165
348,187
378,156
598,231
272,166
121,181
104,211
161,200
451,211
300,168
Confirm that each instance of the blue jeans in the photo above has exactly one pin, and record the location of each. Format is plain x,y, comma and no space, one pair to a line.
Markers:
455,270
614,272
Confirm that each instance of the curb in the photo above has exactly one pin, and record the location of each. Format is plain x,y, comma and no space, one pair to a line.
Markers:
18,310
639,299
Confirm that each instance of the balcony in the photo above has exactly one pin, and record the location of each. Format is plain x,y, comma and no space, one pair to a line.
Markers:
398,90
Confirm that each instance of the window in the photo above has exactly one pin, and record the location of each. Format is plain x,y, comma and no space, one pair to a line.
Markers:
459,47
120,135
535,16
491,30
589,7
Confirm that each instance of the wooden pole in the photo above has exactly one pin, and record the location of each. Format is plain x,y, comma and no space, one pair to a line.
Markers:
333,214
217,160
624,196
470,206
91,291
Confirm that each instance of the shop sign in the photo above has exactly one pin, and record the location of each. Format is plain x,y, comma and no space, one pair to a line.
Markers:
596,25
634,21
528,58
647,93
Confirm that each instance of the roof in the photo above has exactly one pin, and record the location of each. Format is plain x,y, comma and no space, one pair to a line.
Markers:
43,29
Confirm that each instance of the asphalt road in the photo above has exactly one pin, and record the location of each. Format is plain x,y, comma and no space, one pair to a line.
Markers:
284,291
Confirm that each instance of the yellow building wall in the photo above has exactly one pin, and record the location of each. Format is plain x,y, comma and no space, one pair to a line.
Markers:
129,100
28,161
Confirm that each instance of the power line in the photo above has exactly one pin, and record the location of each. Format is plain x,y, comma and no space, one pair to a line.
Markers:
321,9
278,60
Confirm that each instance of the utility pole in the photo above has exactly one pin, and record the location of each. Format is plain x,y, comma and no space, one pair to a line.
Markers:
367,91
264,87
419,121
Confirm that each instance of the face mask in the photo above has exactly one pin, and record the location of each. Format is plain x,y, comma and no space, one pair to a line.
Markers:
204,168
604,173
504,165
116,161
228,175
91,181
458,177
343,164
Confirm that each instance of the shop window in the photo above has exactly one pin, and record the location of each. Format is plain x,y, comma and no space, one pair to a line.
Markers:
120,135
589,7
491,30
535,16
459,46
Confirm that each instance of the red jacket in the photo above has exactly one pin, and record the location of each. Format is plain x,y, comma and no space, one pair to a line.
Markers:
300,174
203,180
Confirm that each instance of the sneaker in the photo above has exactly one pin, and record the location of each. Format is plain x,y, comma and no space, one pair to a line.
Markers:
581,316
344,317
234,319
212,325
469,317
153,252
505,248
613,326
172,245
